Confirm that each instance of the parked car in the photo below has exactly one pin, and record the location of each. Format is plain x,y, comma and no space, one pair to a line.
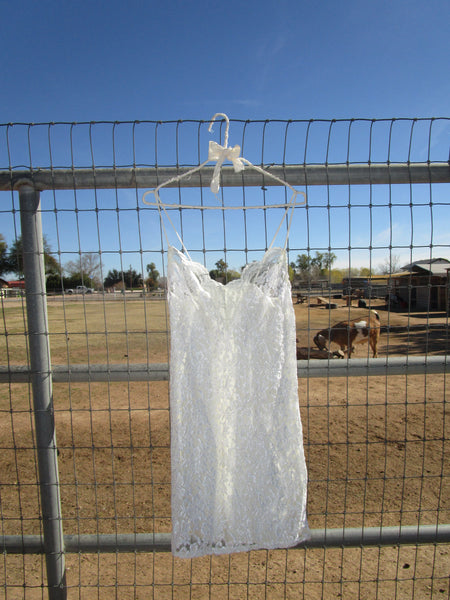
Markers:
80,289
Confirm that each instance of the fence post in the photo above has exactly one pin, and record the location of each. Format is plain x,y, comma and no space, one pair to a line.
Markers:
41,381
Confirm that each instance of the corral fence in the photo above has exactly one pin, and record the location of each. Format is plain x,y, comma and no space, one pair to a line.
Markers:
88,515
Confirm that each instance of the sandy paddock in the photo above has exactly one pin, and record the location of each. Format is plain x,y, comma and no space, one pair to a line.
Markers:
377,452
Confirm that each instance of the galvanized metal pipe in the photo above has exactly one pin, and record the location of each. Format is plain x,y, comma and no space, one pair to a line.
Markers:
41,381
161,542
355,367
370,367
378,536
297,175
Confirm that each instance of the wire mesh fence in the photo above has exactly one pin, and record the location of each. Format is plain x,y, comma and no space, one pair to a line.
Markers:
85,428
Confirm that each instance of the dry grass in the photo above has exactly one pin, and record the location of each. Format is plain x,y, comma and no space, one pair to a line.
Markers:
93,332
376,451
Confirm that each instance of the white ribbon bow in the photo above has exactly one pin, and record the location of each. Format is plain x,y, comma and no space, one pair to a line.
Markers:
221,154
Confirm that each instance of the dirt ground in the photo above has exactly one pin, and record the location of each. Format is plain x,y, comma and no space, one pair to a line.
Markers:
377,454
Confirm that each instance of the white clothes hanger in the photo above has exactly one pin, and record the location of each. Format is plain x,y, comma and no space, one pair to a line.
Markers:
219,154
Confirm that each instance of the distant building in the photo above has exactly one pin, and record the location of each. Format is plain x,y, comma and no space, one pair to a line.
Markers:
375,286
420,285
3,287
17,285
423,284
11,288
428,264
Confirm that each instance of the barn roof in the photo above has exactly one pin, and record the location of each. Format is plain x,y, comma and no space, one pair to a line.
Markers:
440,270
429,266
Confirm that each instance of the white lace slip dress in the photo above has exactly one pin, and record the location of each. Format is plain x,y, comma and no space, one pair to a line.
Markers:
239,477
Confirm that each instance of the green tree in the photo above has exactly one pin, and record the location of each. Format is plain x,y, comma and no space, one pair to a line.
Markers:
112,278
15,258
323,261
4,263
223,273
54,283
78,279
334,275
303,264
291,271
305,268
129,279
329,259
221,266
152,276
220,271
231,275
132,279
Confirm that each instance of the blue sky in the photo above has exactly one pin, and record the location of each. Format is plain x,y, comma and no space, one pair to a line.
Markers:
93,61
165,60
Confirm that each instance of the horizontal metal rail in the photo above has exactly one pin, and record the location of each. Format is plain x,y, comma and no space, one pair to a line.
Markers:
161,542
355,367
297,175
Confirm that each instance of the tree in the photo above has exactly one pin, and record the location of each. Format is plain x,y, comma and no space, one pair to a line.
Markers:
323,261
4,263
223,273
112,278
309,268
128,279
352,272
52,266
329,259
231,275
220,271
15,258
304,268
303,263
221,266
335,275
78,279
132,279
88,266
152,276
390,265
291,271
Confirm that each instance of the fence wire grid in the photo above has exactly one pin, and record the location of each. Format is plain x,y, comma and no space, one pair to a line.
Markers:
84,394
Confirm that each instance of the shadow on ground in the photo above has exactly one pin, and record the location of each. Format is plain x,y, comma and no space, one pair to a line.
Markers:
413,341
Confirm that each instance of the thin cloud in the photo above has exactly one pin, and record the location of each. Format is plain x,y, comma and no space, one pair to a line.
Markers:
391,235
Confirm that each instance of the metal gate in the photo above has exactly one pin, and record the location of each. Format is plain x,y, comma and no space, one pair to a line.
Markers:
85,351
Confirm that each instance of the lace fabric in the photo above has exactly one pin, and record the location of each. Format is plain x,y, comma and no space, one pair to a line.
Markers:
239,477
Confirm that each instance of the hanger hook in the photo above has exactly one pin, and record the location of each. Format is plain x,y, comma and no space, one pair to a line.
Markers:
227,127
